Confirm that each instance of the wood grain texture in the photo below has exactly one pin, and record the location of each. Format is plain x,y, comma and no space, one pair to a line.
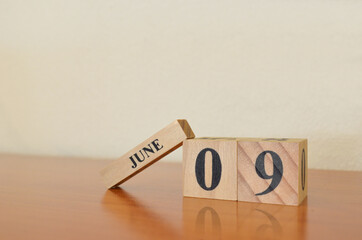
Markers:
226,150
145,154
250,184
63,198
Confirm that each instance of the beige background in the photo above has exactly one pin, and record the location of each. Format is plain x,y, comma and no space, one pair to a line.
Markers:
94,78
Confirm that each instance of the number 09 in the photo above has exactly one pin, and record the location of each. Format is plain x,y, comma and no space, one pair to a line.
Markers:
217,169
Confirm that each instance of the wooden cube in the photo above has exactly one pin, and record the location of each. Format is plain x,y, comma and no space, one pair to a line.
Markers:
272,170
210,168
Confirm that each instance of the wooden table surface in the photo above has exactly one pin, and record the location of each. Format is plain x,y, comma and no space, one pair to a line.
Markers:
64,198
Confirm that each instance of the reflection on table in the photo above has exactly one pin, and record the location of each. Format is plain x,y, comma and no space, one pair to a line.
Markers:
209,218
218,219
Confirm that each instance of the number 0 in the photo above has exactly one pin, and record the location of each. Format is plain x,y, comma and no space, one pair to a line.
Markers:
200,169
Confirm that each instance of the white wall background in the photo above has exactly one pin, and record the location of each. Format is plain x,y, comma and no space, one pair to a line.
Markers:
95,78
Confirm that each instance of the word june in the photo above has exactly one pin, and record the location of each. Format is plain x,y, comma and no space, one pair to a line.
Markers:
153,147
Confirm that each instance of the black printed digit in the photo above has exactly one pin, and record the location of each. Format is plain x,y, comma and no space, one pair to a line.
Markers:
303,170
200,169
277,170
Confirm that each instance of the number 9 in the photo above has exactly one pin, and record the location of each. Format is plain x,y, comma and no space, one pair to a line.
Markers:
277,170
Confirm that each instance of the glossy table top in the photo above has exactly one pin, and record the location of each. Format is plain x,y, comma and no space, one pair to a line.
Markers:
64,198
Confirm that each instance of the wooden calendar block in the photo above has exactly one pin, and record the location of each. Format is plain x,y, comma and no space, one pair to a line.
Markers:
209,167
147,153
272,170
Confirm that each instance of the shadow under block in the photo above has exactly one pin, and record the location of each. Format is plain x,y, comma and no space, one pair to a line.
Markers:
210,168
148,152
272,170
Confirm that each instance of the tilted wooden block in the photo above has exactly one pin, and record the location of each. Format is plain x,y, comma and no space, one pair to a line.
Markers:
148,152
209,167
272,170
